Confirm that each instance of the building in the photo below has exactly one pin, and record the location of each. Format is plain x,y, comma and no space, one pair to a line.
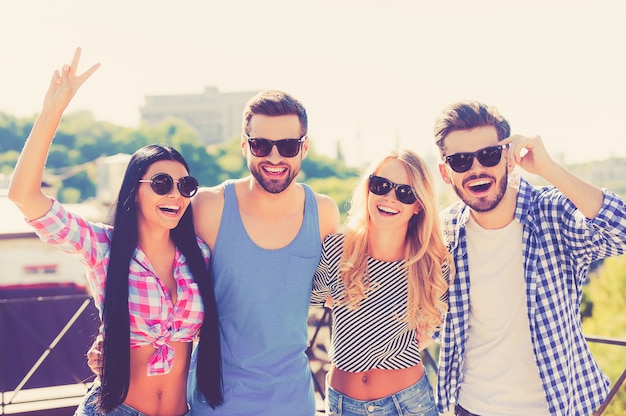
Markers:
216,116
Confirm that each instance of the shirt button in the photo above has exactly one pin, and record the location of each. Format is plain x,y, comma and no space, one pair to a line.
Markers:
371,408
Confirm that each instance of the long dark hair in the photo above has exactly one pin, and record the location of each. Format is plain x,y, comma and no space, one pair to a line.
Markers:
115,377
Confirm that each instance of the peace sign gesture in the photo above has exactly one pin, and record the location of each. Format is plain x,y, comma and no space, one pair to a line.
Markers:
65,83
25,188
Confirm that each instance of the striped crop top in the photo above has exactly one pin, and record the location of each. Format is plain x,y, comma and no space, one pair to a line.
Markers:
154,318
373,335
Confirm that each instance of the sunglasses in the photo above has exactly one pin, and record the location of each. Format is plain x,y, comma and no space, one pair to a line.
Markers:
488,157
286,147
162,184
381,186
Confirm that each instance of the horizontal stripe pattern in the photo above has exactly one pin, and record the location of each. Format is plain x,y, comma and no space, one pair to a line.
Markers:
375,335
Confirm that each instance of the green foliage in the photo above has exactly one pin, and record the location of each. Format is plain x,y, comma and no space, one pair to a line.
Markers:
8,159
81,140
319,166
606,292
58,157
69,195
338,189
12,136
81,182
229,160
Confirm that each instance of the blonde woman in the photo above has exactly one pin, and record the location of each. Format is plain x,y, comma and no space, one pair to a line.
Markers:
387,274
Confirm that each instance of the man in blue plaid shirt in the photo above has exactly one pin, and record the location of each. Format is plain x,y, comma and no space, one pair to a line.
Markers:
512,343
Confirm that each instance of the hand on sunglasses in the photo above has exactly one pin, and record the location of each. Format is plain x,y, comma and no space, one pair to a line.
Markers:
162,184
529,153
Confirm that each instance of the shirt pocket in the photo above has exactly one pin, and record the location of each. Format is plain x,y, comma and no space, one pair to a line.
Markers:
299,273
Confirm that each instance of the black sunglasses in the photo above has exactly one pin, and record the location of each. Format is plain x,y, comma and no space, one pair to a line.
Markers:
381,186
286,147
162,184
488,157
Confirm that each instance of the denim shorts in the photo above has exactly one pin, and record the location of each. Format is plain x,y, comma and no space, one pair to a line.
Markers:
417,399
88,406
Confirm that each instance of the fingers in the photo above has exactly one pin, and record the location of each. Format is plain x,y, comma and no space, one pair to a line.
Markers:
88,73
56,78
69,73
520,146
95,365
94,357
65,74
74,66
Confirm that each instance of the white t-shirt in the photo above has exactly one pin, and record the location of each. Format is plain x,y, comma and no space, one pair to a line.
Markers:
500,375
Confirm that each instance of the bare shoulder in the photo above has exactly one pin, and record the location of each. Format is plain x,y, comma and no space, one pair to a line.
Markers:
328,214
208,205
208,196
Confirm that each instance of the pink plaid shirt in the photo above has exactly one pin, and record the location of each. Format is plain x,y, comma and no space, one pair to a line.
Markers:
154,319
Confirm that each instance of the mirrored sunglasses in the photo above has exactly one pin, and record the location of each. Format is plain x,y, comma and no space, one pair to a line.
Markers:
162,184
381,186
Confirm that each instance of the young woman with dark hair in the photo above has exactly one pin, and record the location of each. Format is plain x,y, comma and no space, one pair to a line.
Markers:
148,272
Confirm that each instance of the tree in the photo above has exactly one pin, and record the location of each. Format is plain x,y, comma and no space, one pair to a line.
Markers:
606,292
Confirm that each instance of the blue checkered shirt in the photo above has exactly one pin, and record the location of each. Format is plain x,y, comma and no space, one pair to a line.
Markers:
558,245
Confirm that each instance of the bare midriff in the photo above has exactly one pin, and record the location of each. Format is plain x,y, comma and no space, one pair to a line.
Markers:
159,395
373,384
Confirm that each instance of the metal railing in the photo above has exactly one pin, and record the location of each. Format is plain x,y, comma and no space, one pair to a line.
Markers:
317,351
37,336
620,381
319,345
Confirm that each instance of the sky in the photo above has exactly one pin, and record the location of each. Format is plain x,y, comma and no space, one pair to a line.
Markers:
372,74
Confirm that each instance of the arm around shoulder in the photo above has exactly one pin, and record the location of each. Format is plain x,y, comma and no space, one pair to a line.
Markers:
208,205
329,216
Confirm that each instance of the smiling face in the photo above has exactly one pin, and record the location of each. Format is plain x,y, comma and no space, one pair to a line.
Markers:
385,210
274,172
161,211
481,188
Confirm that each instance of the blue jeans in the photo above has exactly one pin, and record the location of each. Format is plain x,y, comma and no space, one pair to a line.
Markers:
417,399
88,406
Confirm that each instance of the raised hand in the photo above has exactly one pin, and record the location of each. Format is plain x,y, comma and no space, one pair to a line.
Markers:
529,153
532,156
25,188
65,83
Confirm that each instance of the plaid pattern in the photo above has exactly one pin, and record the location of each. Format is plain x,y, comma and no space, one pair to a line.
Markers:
153,318
559,244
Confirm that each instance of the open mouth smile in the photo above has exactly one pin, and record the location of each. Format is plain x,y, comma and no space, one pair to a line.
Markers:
170,209
386,210
273,170
479,185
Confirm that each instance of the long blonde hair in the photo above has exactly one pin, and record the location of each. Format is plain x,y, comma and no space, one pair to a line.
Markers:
426,255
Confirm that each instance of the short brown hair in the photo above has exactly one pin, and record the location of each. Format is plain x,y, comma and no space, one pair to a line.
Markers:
274,103
466,115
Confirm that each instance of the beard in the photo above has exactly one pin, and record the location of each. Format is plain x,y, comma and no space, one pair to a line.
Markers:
273,186
487,203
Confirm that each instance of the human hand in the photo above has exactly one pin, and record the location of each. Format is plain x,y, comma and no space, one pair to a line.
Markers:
65,83
423,339
529,153
94,357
